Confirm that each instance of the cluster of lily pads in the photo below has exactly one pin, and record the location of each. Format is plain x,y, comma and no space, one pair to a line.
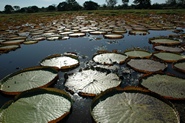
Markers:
111,102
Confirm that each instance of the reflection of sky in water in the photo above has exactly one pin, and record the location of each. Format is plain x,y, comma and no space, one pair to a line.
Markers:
86,47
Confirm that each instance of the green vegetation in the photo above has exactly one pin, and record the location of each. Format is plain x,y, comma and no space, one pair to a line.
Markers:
73,5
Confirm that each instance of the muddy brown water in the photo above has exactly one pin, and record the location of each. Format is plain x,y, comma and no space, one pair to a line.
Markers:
85,47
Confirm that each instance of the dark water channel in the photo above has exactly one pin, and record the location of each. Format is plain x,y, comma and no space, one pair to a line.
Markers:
85,47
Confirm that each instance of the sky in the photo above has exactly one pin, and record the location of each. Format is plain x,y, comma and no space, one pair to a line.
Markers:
46,3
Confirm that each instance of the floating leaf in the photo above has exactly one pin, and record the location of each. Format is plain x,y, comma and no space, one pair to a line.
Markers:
12,42
138,53
9,47
168,57
30,42
138,32
179,65
91,82
113,36
163,41
38,106
168,86
61,61
110,58
132,105
80,34
98,32
146,65
27,79
169,49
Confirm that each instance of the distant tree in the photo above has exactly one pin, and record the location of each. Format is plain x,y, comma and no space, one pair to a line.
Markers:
181,3
63,6
35,8
142,4
156,6
72,2
68,5
51,8
111,3
8,9
125,2
16,8
73,5
90,5
22,10
171,2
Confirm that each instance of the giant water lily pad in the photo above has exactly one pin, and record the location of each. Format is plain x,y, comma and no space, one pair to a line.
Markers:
163,41
59,61
27,79
9,47
168,86
12,42
168,57
169,49
113,36
91,82
146,65
132,105
137,53
110,58
179,65
138,32
77,34
37,106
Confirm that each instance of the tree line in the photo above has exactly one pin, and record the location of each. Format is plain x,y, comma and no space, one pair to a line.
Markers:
73,5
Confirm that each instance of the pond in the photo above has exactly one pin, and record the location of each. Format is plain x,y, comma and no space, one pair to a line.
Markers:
85,47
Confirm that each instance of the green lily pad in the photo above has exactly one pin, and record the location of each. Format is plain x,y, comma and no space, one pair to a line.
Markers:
97,32
27,79
110,58
77,34
169,49
91,82
132,105
163,41
113,36
146,65
12,42
30,42
59,61
37,106
168,86
138,32
179,65
168,57
9,47
138,53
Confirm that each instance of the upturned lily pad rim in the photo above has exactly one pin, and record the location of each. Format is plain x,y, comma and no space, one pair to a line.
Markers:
38,91
60,55
113,36
130,89
163,50
9,47
147,57
138,32
176,68
166,44
164,60
145,76
83,94
144,71
30,69
107,52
